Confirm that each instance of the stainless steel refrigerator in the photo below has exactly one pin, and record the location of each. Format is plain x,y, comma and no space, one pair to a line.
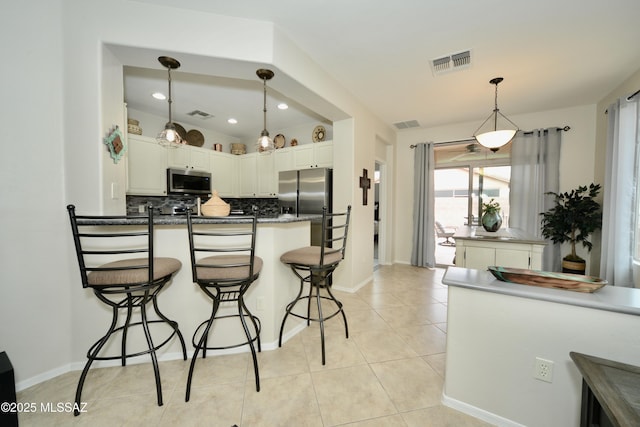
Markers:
306,191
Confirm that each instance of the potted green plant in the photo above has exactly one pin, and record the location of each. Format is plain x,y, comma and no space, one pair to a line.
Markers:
491,219
574,217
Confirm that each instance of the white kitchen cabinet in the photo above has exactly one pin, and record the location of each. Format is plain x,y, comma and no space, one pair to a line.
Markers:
505,248
257,176
248,175
317,155
224,173
188,157
283,159
267,177
323,154
146,167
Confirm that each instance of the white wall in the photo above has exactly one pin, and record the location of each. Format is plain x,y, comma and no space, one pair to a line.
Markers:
62,87
493,341
35,306
577,160
152,125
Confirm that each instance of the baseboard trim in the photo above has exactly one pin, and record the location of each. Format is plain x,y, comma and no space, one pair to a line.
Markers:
475,412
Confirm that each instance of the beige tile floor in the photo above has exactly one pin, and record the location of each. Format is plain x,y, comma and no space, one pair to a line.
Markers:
388,373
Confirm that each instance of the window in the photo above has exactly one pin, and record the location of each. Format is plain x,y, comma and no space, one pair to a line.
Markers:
466,176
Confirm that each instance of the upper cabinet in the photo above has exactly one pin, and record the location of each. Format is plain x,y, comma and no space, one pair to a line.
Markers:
146,167
267,184
224,173
283,159
188,157
257,175
317,155
247,175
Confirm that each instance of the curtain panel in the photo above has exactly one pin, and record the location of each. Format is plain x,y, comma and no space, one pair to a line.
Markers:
424,240
620,193
535,170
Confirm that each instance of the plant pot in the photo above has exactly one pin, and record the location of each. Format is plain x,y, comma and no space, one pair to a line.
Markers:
574,266
491,221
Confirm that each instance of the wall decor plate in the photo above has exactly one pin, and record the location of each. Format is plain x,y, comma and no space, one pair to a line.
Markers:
195,137
116,143
319,133
279,141
180,129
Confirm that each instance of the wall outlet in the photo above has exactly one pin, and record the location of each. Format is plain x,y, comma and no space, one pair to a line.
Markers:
543,370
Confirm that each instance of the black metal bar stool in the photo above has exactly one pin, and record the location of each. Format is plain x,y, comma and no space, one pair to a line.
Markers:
115,255
315,265
224,265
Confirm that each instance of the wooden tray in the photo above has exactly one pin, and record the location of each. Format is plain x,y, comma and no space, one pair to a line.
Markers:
548,279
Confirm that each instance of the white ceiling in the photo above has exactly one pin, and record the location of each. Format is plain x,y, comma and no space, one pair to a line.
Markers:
552,54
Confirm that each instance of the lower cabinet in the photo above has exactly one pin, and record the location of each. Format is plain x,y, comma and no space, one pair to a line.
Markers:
481,253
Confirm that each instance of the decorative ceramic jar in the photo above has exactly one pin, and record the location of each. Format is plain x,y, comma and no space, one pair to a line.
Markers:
491,221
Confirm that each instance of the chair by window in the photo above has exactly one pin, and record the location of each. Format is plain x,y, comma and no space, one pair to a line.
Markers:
224,266
314,265
116,259
445,233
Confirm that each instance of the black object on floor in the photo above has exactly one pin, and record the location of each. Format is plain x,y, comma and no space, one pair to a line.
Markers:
8,417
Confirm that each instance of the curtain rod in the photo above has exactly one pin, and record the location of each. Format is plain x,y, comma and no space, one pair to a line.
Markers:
456,141
629,98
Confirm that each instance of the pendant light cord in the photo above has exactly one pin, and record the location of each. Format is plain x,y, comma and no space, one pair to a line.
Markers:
495,109
264,110
169,99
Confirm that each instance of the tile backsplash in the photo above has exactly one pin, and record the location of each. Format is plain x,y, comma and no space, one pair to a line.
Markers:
266,207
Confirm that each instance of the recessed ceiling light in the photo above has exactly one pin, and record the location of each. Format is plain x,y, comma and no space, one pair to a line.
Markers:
283,106
159,95
232,121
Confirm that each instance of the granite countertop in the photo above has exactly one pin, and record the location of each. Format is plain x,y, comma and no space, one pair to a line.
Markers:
182,220
512,235
609,298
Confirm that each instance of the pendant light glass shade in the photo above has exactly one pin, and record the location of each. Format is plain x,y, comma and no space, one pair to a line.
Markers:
265,143
169,135
494,139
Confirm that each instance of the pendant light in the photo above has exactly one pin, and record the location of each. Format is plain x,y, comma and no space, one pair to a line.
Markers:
494,139
169,135
265,143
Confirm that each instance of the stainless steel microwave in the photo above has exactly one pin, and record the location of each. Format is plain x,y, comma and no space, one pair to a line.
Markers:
187,181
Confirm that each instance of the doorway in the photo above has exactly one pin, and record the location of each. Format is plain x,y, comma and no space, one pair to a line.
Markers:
376,216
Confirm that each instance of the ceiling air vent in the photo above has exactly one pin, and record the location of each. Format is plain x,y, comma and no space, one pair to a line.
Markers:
408,124
199,114
455,61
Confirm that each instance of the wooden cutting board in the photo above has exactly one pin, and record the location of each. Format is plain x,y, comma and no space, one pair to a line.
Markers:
548,279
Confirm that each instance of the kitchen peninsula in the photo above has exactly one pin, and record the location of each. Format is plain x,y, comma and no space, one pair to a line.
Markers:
184,302
496,332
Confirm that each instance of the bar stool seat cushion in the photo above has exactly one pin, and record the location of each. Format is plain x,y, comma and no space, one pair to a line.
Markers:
161,267
310,255
227,273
